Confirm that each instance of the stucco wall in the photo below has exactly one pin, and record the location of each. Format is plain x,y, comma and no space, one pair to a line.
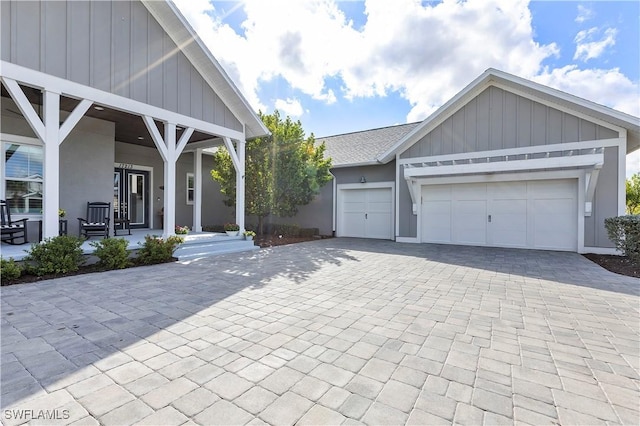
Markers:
317,214
86,168
86,164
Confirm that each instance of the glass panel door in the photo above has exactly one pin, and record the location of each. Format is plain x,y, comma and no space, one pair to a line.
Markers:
117,206
131,196
137,198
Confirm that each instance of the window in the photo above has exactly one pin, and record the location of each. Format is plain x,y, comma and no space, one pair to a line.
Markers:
23,172
190,188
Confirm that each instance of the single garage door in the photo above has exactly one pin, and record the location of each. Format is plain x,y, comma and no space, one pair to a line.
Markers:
365,213
536,214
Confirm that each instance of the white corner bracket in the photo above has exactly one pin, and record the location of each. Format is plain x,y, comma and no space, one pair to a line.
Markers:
413,192
590,190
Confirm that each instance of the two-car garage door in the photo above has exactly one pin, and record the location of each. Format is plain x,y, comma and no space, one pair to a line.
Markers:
534,214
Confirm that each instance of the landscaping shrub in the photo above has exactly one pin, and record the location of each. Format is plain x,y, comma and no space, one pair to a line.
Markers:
213,228
157,250
624,232
9,270
57,255
112,253
284,230
309,232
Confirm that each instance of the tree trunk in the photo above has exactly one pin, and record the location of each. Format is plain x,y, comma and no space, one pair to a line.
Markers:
260,223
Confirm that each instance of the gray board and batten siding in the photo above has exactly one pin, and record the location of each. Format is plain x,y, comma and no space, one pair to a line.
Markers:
498,119
114,46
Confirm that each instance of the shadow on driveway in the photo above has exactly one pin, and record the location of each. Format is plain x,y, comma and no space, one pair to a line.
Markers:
53,329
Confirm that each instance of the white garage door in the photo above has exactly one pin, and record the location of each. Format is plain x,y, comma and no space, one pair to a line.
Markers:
365,213
536,214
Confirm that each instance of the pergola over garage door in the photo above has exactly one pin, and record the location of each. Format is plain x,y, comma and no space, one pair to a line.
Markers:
539,214
365,210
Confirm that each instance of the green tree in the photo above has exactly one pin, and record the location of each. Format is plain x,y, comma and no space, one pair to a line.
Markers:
633,194
283,171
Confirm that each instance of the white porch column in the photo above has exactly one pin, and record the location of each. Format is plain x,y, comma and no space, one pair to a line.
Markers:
170,180
169,151
51,134
51,178
240,184
197,190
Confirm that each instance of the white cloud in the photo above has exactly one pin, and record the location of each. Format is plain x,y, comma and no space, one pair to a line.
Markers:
588,48
607,87
291,107
425,53
584,14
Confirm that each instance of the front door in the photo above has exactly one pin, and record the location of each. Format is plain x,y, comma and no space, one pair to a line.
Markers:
131,196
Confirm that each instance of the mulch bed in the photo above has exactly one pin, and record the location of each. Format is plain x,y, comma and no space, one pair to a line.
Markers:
619,264
265,241
87,269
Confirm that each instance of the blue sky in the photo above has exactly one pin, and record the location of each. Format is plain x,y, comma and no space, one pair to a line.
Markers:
342,66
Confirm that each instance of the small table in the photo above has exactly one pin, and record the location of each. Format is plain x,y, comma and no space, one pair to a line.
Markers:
124,225
62,228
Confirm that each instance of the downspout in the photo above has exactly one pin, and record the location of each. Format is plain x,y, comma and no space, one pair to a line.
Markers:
335,205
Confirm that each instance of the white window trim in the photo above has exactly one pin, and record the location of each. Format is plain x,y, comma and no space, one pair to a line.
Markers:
192,189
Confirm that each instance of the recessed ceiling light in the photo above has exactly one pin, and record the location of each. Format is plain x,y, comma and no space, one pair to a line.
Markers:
98,108
140,138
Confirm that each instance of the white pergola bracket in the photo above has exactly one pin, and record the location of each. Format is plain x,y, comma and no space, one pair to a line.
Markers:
413,188
590,190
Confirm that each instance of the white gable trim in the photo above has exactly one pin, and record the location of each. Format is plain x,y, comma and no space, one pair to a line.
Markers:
532,97
517,86
51,83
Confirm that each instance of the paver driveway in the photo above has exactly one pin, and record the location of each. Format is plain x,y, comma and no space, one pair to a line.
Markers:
329,332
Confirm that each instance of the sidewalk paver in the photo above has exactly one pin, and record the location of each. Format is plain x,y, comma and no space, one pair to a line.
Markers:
337,331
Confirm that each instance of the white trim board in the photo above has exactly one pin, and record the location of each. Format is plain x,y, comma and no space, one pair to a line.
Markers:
534,149
48,82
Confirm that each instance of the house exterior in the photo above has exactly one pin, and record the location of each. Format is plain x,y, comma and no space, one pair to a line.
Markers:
506,162
114,101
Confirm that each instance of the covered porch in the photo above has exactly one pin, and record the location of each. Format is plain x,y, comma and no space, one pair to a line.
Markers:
196,244
53,108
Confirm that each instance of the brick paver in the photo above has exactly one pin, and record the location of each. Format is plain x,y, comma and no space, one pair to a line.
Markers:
338,331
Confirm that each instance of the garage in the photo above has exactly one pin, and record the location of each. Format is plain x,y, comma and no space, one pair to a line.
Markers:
365,212
539,214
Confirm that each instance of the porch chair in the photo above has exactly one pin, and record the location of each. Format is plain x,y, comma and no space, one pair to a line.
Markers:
97,220
12,229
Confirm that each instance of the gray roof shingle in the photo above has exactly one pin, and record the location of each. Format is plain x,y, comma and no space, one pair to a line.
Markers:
363,146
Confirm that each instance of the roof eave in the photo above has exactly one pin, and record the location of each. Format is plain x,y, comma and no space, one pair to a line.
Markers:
359,164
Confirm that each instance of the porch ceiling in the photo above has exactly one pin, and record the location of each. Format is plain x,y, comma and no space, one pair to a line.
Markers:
128,127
